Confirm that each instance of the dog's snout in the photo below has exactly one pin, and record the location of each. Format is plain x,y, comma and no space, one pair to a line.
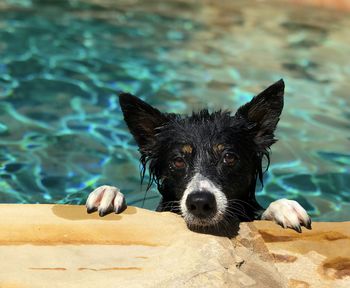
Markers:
201,204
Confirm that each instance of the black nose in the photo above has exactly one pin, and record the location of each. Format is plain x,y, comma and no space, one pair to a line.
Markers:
201,204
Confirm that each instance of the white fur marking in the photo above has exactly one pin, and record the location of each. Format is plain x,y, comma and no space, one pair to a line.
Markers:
288,214
106,199
202,183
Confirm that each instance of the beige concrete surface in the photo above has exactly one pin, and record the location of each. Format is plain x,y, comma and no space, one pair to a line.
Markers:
316,258
62,246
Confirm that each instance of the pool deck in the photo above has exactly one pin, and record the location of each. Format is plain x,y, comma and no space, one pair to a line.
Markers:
62,246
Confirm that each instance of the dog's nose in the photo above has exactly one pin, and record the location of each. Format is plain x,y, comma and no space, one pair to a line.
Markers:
201,204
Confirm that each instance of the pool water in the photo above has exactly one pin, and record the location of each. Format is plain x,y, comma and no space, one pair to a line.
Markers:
62,64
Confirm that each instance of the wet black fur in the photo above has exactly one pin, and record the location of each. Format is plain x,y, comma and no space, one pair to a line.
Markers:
247,134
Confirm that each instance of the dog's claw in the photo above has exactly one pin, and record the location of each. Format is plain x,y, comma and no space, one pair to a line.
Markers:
102,213
105,199
288,214
91,209
297,228
308,224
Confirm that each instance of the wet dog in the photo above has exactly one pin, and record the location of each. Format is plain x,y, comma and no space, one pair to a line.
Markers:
206,165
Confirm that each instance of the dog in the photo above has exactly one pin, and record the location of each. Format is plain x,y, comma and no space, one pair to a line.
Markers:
206,165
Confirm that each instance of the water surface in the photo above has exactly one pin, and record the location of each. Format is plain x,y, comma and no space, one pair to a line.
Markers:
62,64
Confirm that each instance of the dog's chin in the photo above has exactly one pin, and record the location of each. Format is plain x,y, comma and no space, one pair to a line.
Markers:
217,225
194,221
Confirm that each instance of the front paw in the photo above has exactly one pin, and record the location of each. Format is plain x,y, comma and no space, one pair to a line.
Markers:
288,214
106,199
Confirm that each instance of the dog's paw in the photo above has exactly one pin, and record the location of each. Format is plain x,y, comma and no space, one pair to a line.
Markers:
106,199
288,214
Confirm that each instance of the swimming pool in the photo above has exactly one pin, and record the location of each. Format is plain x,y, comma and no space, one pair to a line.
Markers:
62,64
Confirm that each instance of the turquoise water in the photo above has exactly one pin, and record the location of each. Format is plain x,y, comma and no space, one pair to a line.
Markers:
62,64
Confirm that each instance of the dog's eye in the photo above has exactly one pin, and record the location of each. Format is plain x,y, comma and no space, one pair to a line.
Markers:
229,158
179,163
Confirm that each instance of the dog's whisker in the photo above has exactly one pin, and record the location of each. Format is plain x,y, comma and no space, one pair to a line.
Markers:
240,202
236,212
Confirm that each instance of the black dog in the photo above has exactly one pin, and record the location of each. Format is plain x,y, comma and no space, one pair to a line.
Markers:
206,165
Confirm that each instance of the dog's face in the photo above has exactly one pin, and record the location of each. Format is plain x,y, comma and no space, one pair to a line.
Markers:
206,163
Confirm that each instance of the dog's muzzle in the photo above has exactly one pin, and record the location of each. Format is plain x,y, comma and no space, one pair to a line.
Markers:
203,203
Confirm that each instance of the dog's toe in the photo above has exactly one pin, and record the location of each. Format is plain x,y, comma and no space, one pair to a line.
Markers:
119,203
288,214
106,199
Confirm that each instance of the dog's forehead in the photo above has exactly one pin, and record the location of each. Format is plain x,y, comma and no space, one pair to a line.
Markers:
202,130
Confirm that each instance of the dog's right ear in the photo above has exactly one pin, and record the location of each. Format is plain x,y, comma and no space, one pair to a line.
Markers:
142,119
263,113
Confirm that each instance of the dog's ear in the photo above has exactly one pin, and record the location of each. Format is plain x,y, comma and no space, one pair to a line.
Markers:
142,119
263,112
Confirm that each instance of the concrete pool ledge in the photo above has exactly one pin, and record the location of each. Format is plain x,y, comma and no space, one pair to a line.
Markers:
62,246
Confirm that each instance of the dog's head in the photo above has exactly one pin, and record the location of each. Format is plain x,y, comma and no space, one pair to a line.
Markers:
205,163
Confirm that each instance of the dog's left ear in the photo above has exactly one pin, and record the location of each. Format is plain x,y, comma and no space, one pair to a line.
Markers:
263,113
142,120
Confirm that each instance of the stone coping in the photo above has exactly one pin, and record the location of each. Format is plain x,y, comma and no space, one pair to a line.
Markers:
63,246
